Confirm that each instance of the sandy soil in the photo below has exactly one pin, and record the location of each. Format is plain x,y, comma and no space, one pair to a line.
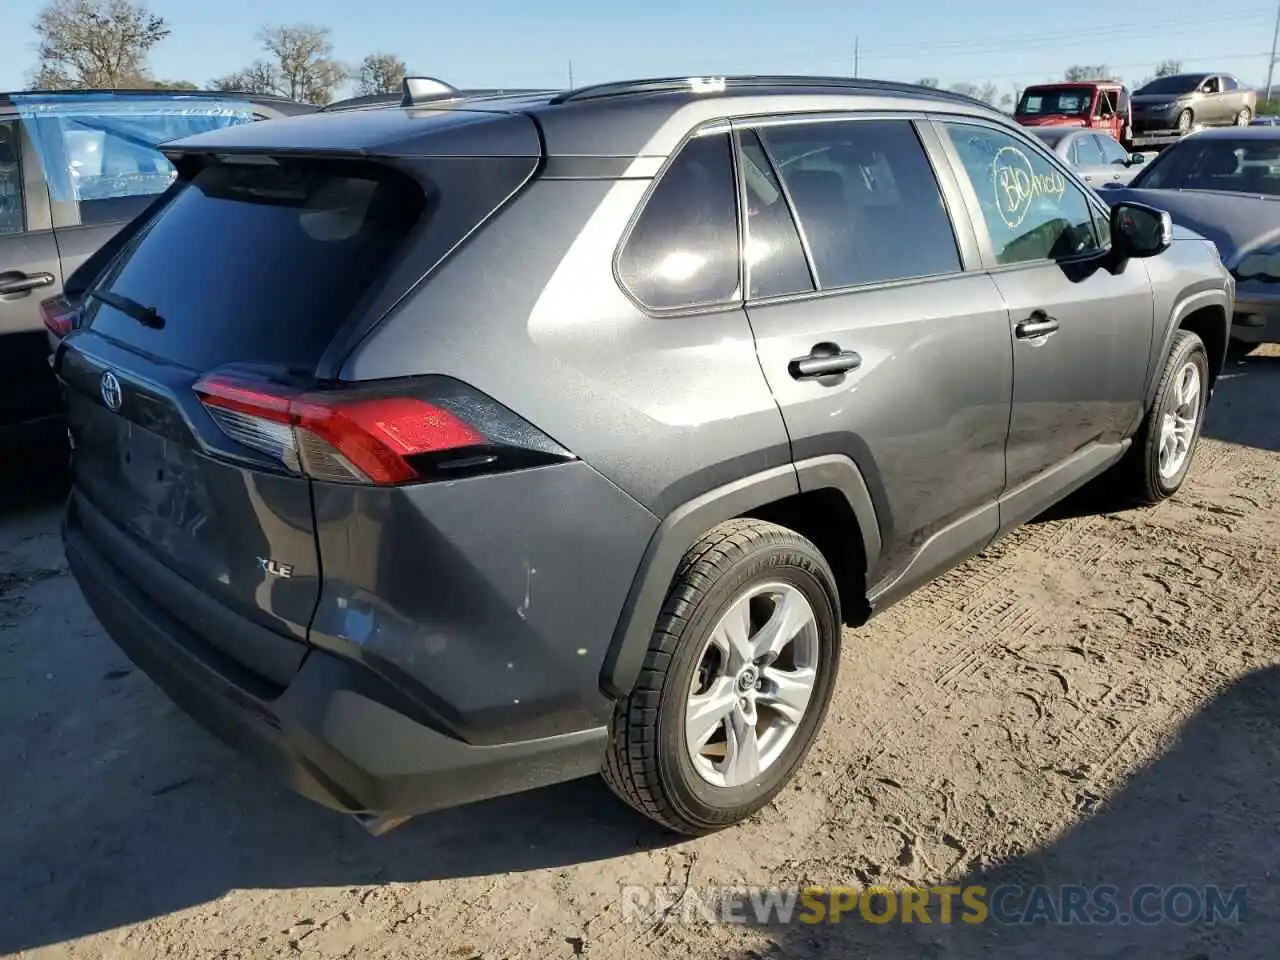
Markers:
1093,700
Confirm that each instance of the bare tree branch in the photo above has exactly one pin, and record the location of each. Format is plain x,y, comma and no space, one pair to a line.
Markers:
259,77
305,67
95,43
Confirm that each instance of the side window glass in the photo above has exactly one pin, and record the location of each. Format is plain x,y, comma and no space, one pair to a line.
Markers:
1112,150
1229,83
1032,211
12,216
866,198
775,258
1089,152
683,250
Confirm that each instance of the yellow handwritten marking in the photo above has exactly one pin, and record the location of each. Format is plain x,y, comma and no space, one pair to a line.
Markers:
1016,185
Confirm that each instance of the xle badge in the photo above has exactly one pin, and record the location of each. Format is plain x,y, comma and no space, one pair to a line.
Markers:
275,568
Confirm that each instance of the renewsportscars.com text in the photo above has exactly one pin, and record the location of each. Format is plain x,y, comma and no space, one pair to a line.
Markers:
1007,905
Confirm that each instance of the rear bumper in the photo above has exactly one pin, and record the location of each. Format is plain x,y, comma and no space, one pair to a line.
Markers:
335,732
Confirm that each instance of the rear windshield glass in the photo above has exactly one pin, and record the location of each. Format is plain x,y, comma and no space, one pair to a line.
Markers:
258,262
1049,102
99,150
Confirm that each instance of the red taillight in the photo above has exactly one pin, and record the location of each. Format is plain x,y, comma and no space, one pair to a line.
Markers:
60,315
339,436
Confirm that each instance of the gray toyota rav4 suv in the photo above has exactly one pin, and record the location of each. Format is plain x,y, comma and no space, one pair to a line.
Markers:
435,451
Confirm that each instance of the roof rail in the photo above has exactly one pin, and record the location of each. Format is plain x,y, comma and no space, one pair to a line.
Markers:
720,84
421,89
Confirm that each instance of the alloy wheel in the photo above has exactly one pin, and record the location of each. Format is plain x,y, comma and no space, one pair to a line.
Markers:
753,685
1178,425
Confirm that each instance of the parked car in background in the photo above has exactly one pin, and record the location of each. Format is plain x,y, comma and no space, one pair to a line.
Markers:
1096,104
75,167
1225,185
1098,158
722,365
1187,100
1269,120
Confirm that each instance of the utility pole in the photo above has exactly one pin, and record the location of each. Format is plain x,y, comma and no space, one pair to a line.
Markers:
1271,64
855,58
571,74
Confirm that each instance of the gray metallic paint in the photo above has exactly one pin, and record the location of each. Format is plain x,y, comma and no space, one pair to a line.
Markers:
518,606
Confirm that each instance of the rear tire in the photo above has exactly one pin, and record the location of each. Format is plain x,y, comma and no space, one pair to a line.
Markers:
1157,463
754,576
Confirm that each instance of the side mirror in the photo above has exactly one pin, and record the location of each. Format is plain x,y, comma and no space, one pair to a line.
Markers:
1135,159
1139,231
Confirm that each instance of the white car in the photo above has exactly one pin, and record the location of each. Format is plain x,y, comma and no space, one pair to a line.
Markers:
1095,155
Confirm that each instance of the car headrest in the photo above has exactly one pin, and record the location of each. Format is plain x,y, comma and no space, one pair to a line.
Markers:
822,188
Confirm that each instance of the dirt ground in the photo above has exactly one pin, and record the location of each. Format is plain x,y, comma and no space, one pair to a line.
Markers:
1094,700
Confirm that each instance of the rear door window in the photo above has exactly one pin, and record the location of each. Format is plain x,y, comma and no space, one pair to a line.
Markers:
253,262
866,198
775,257
99,151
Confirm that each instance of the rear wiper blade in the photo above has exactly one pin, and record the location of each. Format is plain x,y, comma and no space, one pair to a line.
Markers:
146,316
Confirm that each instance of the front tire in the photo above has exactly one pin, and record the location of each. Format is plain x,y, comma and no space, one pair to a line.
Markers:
736,682
1244,117
1184,121
1165,445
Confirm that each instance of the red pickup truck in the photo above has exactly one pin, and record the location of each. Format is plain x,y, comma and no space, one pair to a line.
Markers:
1099,104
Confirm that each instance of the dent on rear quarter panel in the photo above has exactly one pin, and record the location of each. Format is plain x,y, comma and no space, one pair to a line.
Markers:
491,600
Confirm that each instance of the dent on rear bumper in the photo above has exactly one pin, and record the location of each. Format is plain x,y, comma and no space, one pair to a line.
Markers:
337,733
491,601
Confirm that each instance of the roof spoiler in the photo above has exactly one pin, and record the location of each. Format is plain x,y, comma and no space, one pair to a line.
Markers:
422,89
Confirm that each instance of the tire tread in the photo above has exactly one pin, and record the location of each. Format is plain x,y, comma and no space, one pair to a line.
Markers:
631,762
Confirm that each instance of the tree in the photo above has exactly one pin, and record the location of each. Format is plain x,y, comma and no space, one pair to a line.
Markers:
304,61
380,73
301,66
259,77
95,43
1078,73
986,92
928,82
1006,101
174,85
1165,68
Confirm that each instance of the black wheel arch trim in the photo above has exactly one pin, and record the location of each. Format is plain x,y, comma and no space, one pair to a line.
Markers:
1215,297
682,527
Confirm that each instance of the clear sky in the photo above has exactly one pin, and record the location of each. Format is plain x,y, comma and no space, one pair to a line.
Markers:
531,42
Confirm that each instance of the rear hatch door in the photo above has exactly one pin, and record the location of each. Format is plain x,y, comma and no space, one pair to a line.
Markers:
247,266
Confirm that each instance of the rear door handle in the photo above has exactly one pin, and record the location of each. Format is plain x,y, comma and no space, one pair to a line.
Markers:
24,283
1039,324
824,360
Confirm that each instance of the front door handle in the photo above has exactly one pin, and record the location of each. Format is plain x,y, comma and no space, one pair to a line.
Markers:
1039,324
24,283
824,360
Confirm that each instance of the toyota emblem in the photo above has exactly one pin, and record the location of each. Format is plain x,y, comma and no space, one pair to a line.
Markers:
112,395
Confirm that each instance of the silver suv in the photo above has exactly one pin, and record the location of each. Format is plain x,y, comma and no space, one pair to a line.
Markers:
435,451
